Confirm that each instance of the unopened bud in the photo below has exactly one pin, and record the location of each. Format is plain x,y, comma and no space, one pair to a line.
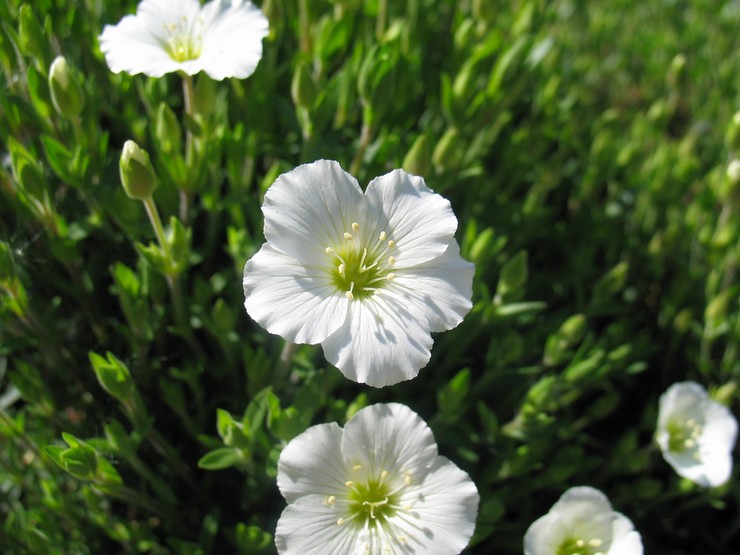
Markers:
303,88
137,174
167,130
418,159
66,91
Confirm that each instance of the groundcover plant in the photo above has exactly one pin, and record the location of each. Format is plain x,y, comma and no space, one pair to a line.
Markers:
488,253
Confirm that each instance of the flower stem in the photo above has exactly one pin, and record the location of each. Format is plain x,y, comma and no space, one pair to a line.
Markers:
153,213
286,358
186,194
365,136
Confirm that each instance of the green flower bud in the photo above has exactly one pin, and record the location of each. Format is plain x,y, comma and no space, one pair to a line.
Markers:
419,157
167,130
733,173
303,87
28,173
137,174
66,91
732,136
114,376
449,151
7,264
677,71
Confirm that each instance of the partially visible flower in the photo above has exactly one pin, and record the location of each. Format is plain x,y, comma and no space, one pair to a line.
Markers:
696,434
368,276
377,486
582,522
222,38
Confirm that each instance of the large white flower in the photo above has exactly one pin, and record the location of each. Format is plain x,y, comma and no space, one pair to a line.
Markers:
375,487
368,276
696,434
582,522
222,38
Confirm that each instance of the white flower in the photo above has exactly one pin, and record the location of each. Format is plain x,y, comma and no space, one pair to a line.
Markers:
222,38
582,522
376,487
368,276
696,434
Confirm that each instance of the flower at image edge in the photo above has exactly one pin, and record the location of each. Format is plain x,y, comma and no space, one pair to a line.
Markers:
582,522
222,38
368,275
377,486
696,434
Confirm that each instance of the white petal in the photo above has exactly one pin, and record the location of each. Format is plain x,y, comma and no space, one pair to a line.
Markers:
389,437
382,343
291,300
309,527
625,539
716,444
232,45
684,399
311,463
441,288
587,511
419,221
310,208
545,535
130,47
443,511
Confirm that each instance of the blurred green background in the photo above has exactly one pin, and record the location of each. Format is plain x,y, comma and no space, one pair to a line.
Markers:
584,147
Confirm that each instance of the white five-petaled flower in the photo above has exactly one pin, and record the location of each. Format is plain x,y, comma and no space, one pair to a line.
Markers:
696,434
377,486
222,38
369,276
582,522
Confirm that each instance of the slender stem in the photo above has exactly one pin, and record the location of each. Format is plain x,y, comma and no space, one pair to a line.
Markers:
286,358
365,137
304,26
153,213
190,155
380,20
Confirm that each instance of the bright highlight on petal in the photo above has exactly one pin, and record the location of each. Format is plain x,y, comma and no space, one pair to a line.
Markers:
696,434
222,38
368,275
582,522
377,486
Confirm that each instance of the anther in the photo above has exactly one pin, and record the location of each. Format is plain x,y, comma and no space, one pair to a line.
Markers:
595,542
391,260
390,276
357,467
580,543
341,269
340,521
391,244
355,226
348,236
349,483
383,236
330,500
349,293
328,250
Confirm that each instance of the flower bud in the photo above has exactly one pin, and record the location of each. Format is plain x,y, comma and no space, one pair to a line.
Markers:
137,174
167,130
66,91
418,159
732,136
303,88
7,265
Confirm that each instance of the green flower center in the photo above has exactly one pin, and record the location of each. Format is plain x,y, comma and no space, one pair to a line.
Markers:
578,546
360,267
184,41
683,435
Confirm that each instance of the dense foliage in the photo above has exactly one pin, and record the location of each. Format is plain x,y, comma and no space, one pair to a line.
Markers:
584,147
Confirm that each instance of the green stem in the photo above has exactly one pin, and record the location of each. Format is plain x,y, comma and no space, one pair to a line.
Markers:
186,191
365,136
286,358
153,213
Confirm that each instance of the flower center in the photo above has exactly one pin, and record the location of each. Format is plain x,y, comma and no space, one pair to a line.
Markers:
359,269
683,435
184,39
578,546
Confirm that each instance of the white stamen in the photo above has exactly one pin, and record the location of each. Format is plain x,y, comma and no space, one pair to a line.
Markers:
348,236
391,260
391,244
349,293
328,250
355,226
383,236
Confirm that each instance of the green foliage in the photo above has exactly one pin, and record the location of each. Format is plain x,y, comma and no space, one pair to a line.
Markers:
587,150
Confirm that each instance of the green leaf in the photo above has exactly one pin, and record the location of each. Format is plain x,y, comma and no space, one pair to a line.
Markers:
224,457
